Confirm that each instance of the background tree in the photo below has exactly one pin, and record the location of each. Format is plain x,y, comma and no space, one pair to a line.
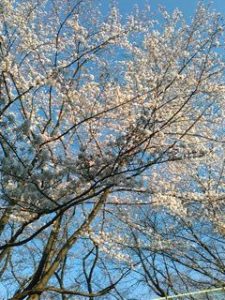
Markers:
111,134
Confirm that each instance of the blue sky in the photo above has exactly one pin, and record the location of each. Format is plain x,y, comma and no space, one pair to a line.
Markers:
186,6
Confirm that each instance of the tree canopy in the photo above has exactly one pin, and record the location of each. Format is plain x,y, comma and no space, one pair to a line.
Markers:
111,151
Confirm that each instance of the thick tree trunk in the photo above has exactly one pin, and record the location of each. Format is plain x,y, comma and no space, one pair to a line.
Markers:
34,297
42,282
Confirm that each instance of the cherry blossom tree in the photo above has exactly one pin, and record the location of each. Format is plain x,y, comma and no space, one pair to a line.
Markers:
184,252
107,123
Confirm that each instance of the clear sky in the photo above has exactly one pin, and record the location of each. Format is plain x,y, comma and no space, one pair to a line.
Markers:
186,6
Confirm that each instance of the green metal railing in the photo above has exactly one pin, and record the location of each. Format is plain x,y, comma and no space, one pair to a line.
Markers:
210,294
